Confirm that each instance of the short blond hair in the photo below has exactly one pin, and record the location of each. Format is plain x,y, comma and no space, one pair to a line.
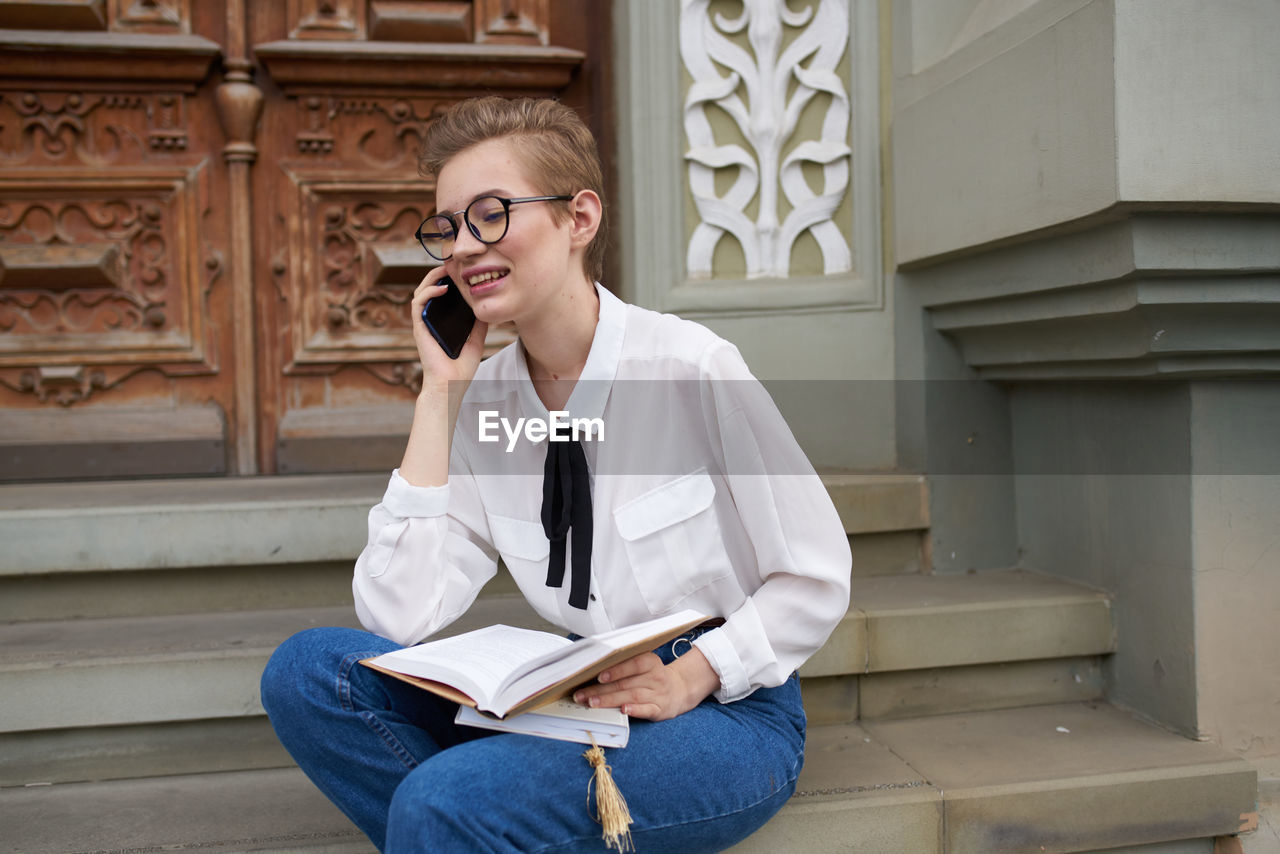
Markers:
554,145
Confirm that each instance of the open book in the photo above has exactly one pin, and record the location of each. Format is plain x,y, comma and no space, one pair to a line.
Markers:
505,671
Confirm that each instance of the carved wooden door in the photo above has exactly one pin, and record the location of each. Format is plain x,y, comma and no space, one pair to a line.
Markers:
207,214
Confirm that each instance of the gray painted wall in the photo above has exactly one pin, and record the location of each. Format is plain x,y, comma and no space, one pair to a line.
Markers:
1104,497
1086,189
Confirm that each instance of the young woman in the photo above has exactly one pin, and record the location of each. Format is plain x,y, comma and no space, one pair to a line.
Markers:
694,495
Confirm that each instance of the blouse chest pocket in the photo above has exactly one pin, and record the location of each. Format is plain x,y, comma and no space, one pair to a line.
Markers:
673,540
519,541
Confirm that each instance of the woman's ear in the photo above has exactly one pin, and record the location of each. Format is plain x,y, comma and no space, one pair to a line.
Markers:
585,212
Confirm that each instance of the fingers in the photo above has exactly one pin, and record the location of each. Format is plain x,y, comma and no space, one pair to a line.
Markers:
639,686
644,687
643,663
430,286
638,700
625,674
607,699
646,703
651,681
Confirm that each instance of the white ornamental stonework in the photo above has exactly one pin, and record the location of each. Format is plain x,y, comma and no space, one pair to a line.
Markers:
766,91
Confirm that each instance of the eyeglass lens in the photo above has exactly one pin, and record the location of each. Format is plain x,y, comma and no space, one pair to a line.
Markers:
486,218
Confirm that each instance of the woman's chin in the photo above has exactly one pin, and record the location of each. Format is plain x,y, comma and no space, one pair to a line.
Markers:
491,312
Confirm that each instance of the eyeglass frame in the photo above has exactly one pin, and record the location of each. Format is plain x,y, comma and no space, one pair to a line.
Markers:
475,232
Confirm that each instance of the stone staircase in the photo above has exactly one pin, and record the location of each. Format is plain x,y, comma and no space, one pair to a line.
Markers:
949,713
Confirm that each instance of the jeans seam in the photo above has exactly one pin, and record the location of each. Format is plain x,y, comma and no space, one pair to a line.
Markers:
344,681
370,720
388,737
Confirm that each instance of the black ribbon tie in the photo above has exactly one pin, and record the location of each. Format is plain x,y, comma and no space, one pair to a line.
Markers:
566,509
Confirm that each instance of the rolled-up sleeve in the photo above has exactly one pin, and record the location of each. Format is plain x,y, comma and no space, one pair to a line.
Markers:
426,558
801,550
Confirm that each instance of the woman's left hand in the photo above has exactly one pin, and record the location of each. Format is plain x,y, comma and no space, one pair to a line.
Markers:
644,687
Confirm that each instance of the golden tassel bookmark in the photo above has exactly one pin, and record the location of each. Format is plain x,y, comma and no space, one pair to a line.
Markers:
611,808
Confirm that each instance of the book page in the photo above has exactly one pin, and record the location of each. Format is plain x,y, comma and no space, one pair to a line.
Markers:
627,635
588,656
477,661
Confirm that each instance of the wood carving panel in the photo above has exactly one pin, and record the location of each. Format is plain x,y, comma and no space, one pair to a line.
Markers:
89,128
326,19
377,133
133,16
420,21
151,16
354,86
512,21
355,264
100,277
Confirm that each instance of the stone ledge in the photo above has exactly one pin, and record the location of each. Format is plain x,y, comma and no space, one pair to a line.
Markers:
1073,777
89,527
168,668
136,751
272,810
1154,294
161,524
189,667
879,503
910,622
985,783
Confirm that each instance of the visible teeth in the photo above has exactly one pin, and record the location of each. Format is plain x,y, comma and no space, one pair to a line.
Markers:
484,277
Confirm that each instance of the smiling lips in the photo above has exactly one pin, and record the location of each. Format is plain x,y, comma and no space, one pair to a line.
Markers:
476,280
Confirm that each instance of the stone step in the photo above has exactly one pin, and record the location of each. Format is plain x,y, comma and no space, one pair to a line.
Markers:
925,644
165,668
885,516
169,694
166,524
1056,778
1078,777
113,549
166,689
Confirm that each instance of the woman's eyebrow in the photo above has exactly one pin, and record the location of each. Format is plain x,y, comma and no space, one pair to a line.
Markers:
496,191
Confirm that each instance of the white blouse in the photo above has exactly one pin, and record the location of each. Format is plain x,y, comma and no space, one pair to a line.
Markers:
701,499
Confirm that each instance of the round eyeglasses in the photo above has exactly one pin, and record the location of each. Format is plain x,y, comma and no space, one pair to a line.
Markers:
487,219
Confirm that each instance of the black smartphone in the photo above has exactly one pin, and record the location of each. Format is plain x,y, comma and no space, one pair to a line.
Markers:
449,319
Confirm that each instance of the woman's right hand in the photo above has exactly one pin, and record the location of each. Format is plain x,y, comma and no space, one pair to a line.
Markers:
426,457
438,370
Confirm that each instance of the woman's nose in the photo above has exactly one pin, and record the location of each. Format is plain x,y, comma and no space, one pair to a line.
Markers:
466,244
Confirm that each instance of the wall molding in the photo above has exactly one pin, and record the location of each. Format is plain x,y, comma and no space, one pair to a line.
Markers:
324,67
52,55
1150,295
652,157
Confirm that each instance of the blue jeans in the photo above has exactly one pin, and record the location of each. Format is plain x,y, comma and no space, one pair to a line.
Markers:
391,758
